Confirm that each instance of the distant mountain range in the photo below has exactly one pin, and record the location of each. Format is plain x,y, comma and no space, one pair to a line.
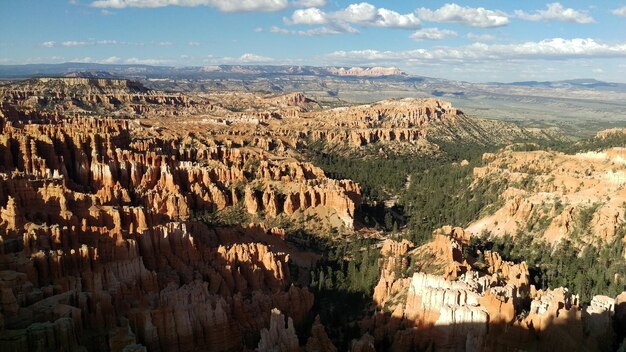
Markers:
146,71
579,107
92,70
584,83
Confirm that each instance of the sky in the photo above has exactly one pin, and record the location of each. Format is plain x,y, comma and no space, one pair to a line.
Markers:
476,41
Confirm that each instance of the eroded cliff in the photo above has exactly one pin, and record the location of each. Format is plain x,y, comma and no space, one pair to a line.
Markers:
455,303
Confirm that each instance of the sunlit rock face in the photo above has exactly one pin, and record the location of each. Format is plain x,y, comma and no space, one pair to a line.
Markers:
557,190
100,246
477,309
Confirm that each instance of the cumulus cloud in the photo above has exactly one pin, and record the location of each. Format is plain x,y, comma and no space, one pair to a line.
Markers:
556,12
473,17
619,11
480,37
362,14
89,59
250,58
137,61
221,5
325,31
556,48
318,31
192,43
309,3
279,30
92,42
308,16
86,59
388,18
357,13
111,60
75,43
432,34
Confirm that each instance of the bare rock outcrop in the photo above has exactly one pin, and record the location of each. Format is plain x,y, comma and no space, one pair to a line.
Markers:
551,194
279,337
477,308
318,341
101,247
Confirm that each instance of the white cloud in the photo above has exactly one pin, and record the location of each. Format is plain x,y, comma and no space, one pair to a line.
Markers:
324,31
105,12
136,61
111,60
480,37
249,58
362,14
556,48
166,43
76,43
619,11
308,16
309,3
556,12
432,34
258,30
192,43
473,17
90,60
388,18
86,59
279,30
221,5
357,13
319,31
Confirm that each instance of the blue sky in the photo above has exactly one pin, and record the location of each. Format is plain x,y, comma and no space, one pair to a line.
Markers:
489,40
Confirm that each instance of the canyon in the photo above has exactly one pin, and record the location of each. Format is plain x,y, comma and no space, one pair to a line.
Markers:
133,219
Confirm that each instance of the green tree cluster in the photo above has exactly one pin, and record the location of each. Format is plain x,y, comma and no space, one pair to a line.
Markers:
343,282
445,195
584,270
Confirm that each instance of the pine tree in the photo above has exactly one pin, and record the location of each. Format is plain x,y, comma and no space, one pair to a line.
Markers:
388,221
328,282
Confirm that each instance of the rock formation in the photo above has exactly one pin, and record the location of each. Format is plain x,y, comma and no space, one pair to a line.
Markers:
279,337
102,247
548,193
318,340
478,309
138,220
